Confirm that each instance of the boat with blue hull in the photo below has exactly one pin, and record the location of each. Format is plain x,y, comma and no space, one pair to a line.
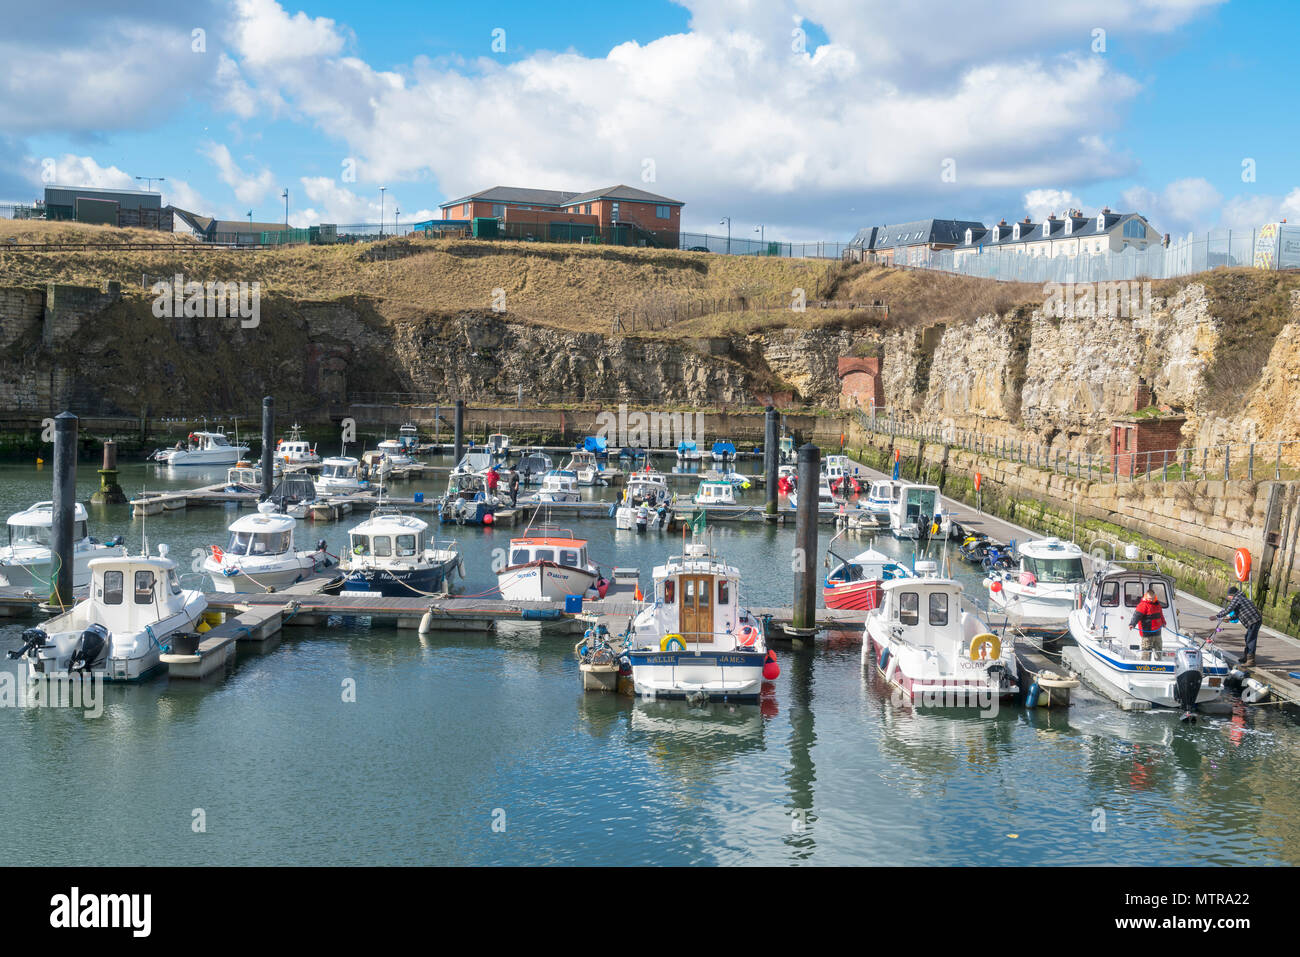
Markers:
467,501
393,555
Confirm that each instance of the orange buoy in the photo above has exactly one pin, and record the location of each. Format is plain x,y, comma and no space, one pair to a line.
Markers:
1241,564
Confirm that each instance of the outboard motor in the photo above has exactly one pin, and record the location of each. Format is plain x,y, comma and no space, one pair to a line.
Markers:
33,640
91,650
1187,680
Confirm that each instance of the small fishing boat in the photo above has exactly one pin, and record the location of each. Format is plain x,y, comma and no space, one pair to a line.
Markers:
294,495
135,607
559,485
935,650
202,449
881,497
694,639
392,554
786,454
723,452
294,450
855,583
243,478
633,453
639,517
912,514
498,444
340,475
825,498
647,486
687,451
395,452
260,555
715,492
1044,589
533,466
548,564
1183,674
27,561
376,466
408,435
836,468
467,501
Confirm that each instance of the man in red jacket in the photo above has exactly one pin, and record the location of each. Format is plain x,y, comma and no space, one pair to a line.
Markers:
1149,619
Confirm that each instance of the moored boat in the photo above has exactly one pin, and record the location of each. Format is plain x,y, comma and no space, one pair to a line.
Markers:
1048,584
559,485
340,475
293,449
548,564
467,500
27,561
393,554
855,583
912,514
202,449
715,492
260,554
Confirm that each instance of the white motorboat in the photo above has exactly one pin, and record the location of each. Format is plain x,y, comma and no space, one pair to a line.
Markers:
935,650
912,514
340,475
202,448
395,452
135,606
393,554
1047,586
646,486
376,466
243,478
294,450
695,639
837,468
26,561
723,452
584,465
881,497
548,564
786,454
498,444
628,517
825,498
687,451
294,495
715,492
1183,674
559,485
409,437
260,555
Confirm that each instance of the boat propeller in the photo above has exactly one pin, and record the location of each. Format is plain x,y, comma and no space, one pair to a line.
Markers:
33,638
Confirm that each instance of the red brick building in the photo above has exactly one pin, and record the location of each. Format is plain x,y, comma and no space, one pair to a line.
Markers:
1139,443
860,385
615,213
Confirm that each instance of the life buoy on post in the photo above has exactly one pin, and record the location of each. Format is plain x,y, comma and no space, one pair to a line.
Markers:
667,642
979,641
1241,564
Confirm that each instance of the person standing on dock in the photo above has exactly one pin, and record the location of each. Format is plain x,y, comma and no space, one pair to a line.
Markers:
1248,616
514,489
492,479
1149,618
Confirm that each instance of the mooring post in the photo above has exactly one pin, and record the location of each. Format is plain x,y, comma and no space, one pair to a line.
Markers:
804,620
770,456
65,508
268,446
458,449
109,492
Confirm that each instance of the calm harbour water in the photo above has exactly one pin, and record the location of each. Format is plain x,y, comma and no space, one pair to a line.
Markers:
453,733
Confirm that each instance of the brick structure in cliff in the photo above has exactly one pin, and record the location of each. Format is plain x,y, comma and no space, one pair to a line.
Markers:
860,384
1143,443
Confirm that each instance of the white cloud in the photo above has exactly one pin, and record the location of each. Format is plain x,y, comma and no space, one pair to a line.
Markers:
247,187
1185,205
1039,203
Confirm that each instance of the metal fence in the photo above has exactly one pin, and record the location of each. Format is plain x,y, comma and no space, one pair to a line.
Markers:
1266,247
1232,461
736,246
21,211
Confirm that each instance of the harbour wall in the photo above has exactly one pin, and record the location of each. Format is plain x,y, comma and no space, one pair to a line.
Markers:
1191,528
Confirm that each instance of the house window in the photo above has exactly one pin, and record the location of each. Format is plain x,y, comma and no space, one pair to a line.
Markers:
464,210
663,212
498,210
1134,228
588,210
613,213
1069,226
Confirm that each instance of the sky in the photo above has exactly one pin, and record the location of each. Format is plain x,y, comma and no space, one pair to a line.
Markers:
805,120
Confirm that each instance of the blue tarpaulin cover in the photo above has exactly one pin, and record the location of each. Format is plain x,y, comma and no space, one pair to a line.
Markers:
724,448
594,443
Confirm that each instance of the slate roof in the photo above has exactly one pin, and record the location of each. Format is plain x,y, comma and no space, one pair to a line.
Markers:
516,194
629,193
924,231
1081,227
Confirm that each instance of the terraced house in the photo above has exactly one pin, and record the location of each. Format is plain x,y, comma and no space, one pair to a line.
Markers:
618,214
1071,234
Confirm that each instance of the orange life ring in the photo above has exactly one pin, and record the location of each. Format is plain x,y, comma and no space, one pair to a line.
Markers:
1241,564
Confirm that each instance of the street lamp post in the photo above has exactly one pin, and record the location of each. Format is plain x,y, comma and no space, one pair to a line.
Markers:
150,180
285,194
727,220
381,211
762,235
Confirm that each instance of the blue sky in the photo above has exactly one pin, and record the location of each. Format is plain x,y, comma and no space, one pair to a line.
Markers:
810,118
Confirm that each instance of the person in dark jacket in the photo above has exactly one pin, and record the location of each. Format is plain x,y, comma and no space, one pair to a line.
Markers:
514,489
1249,618
1149,618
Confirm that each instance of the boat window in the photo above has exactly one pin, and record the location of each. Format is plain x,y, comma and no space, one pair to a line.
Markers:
1056,570
360,544
383,546
1110,594
405,545
670,593
704,594
174,582
688,593
724,592
569,557
909,607
1132,593
519,556
545,555
144,588
30,535
112,588
79,531
938,608
239,542
1162,596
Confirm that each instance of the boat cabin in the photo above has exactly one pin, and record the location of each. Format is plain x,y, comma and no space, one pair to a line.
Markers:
642,485
466,485
560,480
260,535
837,466
884,494
129,593
33,527
1112,597
409,436
498,443
926,613
715,493
341,468
1052,562
697,596
583,459
204,441
912,513
554,549
384,537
